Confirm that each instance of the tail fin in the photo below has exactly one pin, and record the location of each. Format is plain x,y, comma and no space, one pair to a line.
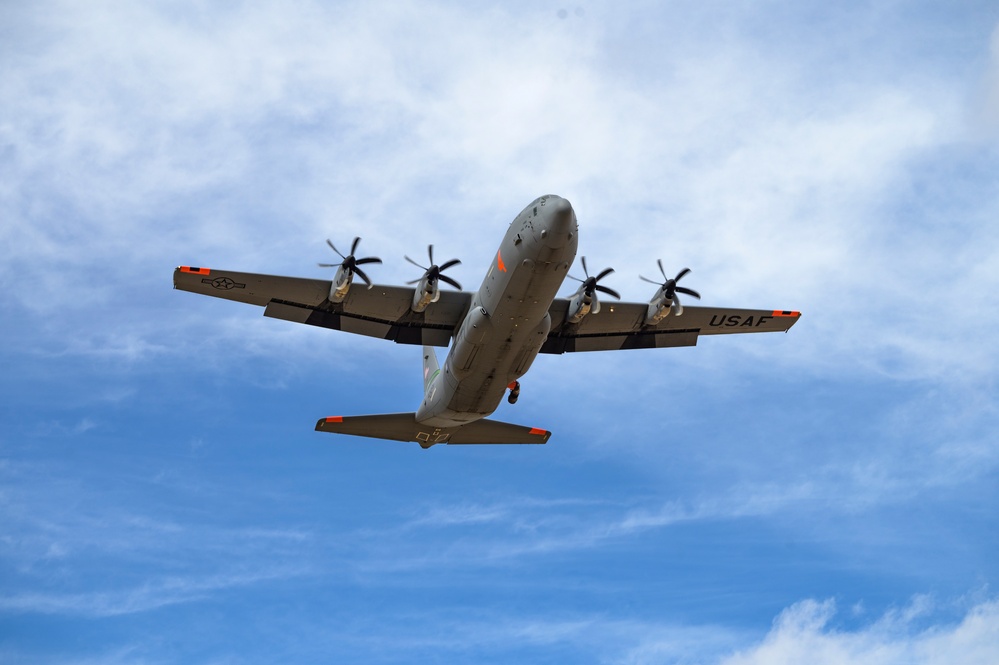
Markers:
430,368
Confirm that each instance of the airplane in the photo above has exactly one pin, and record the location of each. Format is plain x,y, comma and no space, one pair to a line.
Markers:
494,334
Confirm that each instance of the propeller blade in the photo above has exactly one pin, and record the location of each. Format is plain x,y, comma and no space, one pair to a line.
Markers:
445,278
370,259
608,291
329,265
430,253
585,271
606,272
678,305
650,281
452,262
660,262
689,292
415,264
681,274
353,247
333,247
360,273
415,281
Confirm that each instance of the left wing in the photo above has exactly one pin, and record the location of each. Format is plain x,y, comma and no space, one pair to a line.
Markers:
622,326
381,311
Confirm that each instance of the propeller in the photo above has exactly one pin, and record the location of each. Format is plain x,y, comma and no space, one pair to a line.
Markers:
669,286
351,263
590,284
433,273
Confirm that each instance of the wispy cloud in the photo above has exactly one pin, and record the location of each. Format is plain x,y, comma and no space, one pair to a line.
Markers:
143,598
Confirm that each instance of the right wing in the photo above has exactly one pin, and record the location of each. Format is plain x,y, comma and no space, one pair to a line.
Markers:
621,325
381,311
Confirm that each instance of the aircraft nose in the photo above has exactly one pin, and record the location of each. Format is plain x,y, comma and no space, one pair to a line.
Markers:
561,225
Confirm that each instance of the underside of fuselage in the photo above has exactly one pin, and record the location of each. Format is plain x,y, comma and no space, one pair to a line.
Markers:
508,320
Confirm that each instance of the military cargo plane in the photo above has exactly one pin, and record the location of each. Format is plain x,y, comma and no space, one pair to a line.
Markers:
494,334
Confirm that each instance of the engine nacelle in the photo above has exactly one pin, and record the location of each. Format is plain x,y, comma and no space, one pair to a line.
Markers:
580,305
660,307
341,284
426,292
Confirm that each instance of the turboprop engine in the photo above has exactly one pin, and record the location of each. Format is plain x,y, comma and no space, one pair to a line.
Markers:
585,301
666,299
428,290
346,270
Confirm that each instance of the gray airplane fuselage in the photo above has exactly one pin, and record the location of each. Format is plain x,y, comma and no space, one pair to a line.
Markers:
508,320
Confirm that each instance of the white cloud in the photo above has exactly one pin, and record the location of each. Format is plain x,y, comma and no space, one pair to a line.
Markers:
149,136
802,633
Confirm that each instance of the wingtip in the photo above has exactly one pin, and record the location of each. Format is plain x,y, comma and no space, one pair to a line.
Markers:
543,433
322,422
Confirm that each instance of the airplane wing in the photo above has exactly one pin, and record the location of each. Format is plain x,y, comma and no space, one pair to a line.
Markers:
382,311
622,326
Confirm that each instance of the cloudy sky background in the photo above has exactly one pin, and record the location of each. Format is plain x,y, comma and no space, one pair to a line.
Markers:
827,495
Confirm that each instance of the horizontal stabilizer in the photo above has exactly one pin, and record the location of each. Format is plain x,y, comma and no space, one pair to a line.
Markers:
403,427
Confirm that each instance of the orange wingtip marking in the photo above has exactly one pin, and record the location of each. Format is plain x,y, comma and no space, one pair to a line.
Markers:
499,261
196,271
538,432
785,312
335,419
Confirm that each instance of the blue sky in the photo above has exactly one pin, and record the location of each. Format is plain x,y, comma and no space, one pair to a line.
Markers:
826,496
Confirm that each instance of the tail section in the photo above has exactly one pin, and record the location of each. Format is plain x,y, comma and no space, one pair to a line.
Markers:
404,427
